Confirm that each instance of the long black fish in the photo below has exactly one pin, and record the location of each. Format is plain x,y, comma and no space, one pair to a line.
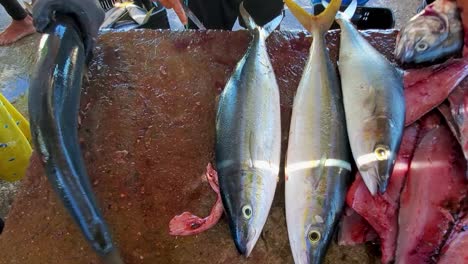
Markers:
54,101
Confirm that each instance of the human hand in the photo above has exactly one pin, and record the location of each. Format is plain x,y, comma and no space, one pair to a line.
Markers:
177,6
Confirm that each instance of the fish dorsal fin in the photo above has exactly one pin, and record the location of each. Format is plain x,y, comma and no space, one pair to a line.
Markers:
251,25
321,22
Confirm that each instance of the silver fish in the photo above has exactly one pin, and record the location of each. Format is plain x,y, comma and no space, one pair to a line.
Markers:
112,16
318,161
138,14
374,105
434,33
248,139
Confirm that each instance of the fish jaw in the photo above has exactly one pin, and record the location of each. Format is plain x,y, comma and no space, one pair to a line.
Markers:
375,148
247,199
434,33
376,176
314,203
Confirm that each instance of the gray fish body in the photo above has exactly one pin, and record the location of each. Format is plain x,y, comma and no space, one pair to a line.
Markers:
434,33
374,106
248,143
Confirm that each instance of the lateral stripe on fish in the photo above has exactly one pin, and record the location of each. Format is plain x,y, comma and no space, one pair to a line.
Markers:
316,163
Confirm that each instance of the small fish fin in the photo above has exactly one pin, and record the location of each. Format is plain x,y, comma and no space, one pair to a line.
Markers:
148,15
321,22
272,25
251,149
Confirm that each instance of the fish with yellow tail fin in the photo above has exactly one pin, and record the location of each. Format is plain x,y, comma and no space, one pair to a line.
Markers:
374,104
15,147
318,157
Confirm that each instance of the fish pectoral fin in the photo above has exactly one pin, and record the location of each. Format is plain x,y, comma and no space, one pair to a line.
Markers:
251,149
321,22
251,25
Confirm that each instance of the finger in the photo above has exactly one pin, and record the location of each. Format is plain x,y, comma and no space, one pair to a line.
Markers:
180,12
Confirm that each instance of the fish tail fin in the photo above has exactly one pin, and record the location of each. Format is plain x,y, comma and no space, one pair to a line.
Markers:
251,25
348,13
321,22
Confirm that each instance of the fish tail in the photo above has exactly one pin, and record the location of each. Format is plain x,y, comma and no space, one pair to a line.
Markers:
321,22
267,29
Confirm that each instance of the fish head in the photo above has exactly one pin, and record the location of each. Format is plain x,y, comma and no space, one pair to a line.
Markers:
317,242
422,39
311,245
247,207
375,155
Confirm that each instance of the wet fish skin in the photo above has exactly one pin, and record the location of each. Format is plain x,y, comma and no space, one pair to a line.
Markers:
374,106
54,100
434,33
318,156
248,139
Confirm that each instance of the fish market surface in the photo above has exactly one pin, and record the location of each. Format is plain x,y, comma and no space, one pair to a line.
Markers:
147,132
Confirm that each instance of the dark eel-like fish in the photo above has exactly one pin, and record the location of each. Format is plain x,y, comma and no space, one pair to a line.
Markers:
54,101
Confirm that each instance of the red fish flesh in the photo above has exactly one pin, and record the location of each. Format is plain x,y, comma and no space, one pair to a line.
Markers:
187,224
427,88
455,250
434,190
463,7
381,210
455,111
354,229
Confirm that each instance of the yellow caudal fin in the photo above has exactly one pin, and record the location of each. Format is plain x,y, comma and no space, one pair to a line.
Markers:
321,22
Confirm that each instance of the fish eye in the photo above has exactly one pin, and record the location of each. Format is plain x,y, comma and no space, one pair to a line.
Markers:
314,236
381,152
247,211
422,46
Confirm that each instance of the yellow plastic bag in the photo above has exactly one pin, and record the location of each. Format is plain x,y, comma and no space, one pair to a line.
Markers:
15,146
